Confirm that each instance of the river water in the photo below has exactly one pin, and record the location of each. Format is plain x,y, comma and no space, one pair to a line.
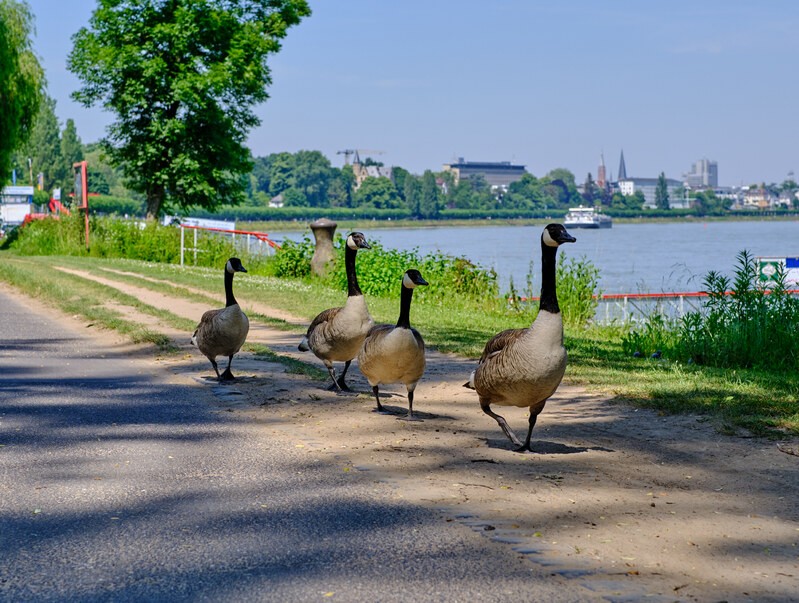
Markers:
631,258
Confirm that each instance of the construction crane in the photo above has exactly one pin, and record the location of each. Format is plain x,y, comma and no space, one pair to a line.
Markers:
350,152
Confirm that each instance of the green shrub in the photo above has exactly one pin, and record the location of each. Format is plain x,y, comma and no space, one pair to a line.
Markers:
293,259
744,323
578,290
380,270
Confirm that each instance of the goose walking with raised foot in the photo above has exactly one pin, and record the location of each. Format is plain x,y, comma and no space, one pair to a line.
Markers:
524,367
395,353
336,334
222,332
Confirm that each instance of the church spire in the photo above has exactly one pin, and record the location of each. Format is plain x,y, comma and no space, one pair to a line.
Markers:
622,167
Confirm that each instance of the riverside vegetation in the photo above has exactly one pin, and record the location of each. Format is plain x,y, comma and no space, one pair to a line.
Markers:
734,363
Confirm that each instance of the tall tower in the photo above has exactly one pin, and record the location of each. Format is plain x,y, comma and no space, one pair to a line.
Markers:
601,177
622,168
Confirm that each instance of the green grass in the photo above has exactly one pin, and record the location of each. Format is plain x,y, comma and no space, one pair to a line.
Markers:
758,400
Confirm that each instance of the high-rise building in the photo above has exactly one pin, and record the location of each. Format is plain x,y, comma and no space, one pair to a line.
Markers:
704,174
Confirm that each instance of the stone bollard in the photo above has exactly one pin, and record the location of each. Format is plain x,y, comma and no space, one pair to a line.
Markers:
323,231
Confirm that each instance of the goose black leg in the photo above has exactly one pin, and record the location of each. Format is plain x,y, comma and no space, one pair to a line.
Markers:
342,385
526,446
380,409
336,386
216,369
486,406
410,416
227,375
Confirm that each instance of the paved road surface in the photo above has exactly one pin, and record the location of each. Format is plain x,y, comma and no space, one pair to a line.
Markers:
117,484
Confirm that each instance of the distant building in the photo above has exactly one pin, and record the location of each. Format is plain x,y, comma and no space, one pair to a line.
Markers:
759,198
16,202
704,174
628,186
499,174
362,172
601,175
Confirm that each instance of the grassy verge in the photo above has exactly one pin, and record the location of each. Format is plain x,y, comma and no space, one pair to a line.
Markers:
761,401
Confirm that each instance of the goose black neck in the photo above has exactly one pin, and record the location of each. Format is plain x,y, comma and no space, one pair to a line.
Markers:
405,308
229,299
352,278
549,293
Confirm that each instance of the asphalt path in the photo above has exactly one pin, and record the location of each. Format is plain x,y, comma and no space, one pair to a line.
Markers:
120,483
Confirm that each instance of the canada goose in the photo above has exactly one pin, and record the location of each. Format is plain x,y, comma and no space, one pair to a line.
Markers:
524,367
338,333
395,353
222,332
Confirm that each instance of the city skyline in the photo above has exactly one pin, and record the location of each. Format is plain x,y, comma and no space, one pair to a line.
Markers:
538,85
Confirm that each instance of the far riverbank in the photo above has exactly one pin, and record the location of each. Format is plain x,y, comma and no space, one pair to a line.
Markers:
349,225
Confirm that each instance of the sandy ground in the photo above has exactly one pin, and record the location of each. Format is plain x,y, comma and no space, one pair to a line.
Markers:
630,504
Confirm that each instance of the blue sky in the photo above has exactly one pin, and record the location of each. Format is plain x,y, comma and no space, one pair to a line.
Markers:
544,84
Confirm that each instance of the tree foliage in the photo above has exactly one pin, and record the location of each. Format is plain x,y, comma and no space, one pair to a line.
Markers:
21,80
182,78
662,193
41,153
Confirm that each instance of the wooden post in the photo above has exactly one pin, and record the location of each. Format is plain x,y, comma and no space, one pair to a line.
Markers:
323,231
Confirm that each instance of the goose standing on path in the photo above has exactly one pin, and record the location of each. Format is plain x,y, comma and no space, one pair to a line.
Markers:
524,367
223,332
395,353
336,334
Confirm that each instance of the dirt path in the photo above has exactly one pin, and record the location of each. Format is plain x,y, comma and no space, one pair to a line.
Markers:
627,503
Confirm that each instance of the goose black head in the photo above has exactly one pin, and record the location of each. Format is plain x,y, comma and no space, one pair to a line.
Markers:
413,278
555,235
234,265
356,241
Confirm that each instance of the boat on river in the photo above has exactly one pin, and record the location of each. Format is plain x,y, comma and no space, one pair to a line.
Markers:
586,217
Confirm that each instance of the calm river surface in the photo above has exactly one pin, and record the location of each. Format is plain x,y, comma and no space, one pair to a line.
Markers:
631,258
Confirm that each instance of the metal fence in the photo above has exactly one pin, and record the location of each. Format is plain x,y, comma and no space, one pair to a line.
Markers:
251,242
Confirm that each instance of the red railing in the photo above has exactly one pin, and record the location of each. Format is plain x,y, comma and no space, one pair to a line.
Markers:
262,237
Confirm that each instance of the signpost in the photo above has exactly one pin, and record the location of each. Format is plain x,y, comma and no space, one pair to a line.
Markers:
82,193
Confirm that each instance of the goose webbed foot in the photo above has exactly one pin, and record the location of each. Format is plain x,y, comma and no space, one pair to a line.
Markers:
410,416
226,376
523,448
380,409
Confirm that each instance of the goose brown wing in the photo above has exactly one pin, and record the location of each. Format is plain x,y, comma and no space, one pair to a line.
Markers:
324,316
418,337
499,341
207,317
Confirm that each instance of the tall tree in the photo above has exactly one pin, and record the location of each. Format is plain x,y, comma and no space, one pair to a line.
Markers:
41,153
182,78
71,153
662,193
21,80
379,193
430,197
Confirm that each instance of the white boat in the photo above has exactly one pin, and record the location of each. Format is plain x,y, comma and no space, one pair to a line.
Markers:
586,217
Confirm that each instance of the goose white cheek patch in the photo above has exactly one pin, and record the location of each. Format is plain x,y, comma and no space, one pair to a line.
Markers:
548,240
351,243
406,280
